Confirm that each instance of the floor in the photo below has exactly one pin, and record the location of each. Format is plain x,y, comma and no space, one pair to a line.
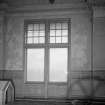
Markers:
36,103
74,102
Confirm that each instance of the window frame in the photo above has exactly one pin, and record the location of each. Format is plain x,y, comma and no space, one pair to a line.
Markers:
47,47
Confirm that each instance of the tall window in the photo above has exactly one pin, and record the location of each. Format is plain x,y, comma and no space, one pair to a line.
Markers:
47,50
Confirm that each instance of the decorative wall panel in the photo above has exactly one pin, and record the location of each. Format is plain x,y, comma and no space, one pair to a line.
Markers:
80,43
1,43
14,44
80,56
99,44
99,57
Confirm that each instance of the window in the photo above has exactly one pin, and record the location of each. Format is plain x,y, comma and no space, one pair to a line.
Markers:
47,50
58,32
35,33
58,64
35,64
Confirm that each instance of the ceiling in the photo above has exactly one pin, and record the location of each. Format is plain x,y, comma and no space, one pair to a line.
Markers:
38,2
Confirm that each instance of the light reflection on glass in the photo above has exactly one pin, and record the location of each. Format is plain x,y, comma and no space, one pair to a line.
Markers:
58,64
35,64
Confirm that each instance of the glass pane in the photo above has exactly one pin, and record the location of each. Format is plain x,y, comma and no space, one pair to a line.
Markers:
64,39
36,33
30,33
30,27
35,39
35,65
52,39
58,39
29,40
64,26
58,32
58,26
58,64
52,26
36,27
64,32
42,26
41,40
52,32
42,33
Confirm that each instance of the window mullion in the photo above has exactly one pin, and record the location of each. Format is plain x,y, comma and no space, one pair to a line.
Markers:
46,69
69,56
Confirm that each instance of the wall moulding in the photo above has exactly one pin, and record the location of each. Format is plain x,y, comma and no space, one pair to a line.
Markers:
41,7
99,12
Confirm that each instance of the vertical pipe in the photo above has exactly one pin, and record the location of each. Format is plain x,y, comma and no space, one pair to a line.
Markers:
90,6
4,43
92,72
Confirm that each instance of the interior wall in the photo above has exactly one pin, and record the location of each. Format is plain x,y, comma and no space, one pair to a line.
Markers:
1,45
80,55
38,2
80,81
14,43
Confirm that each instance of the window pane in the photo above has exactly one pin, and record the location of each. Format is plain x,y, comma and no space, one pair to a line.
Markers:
58,32
52,32
42,26
52,39
52,26
36,40
64,26
36,33
35,65
30,40
30,27
64,32
36,27
64,39
42,33
58,39
58,26
30,33
41,40
58,64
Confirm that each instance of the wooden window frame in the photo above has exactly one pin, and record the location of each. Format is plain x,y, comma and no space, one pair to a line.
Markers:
47,46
